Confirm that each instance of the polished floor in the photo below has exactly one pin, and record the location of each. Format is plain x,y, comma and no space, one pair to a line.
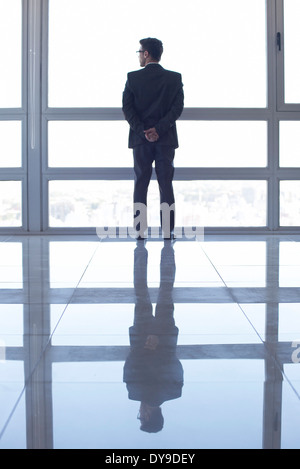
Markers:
123,344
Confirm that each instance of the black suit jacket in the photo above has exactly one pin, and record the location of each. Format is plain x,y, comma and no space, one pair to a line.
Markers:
153,97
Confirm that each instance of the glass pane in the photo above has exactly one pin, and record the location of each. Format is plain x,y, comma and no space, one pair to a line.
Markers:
88,144
291,50
222,144
222,60
290,203
10,52
289,143
97,203
90,203
10,144
198,203
229,69
221,203
10,203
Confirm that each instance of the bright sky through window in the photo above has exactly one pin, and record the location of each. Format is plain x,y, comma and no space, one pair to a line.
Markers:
92,46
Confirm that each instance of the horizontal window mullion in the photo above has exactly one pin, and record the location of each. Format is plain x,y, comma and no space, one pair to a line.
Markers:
89,173
288,173
116,113
286,115
225,114
221,173
289,108
12,174
12,114
83,114
180,173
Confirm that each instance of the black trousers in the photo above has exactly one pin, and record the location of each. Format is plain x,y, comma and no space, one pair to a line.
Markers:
144,157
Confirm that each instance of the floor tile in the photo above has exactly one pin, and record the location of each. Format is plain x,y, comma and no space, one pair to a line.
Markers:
203,336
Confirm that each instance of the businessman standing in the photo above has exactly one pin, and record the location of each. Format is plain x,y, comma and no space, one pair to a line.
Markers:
152,102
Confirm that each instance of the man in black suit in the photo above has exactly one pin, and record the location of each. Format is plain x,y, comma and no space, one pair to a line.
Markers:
152,102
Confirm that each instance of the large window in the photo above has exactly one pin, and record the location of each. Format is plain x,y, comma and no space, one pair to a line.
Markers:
63,139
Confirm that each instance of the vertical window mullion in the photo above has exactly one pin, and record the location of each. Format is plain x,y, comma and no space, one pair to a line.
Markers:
279,54
34,115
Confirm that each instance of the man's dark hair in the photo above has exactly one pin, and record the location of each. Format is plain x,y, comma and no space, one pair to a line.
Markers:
153,46
155,422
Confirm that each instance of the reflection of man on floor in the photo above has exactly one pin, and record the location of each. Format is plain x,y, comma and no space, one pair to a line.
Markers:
152,372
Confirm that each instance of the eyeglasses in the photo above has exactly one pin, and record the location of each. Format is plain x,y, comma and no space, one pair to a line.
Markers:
139,51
